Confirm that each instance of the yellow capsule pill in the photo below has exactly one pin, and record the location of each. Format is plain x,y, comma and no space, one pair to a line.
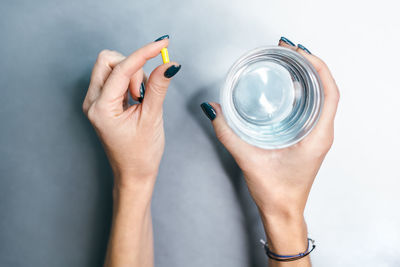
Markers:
164,55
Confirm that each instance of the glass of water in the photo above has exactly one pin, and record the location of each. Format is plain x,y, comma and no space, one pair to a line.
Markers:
272,97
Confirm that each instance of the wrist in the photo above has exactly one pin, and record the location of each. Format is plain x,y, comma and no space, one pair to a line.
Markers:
286,232
133,190
126,180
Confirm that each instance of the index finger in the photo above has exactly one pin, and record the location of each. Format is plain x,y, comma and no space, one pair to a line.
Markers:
118,81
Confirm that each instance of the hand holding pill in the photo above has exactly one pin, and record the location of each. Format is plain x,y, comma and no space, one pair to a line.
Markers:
131,134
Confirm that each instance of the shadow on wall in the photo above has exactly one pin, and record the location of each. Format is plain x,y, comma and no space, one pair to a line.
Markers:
100,220
252,222
77,49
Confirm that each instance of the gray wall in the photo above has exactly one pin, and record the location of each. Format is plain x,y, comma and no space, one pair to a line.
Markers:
55,181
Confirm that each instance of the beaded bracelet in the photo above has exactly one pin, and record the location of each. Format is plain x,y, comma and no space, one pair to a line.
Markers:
277,257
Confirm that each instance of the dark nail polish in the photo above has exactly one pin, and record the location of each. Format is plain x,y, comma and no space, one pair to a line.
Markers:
171,71
287,41
208,110
303,48
141,91
162,38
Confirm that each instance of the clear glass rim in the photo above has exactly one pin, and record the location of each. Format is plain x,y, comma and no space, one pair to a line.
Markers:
312,108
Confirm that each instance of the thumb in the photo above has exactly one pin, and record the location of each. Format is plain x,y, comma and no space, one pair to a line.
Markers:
157,85
224,133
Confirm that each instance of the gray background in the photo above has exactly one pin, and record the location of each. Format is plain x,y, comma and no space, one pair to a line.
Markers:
55,181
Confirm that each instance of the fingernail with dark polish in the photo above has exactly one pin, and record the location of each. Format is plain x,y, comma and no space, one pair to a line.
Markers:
208,110
171,71
303,48
141,91
162,38
287,41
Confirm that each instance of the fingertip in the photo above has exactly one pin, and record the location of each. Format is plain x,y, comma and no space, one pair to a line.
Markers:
303,48
216,106
164,37
166,70
318,63
208,110
224,133
157,85
160,44
302,52
169,64
172,69
137,59
137,85
141,92
285,42
166,42
282,44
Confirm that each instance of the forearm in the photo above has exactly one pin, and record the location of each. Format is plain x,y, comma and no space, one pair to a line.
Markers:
286,235
131,238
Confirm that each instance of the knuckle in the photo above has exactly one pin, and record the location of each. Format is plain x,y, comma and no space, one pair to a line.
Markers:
318,147
320,64
118,70
222,134
324,146
327,146
85,107
102,58
337,95
91,114
330,144
333,95
95,111
158,88
104,54
100,107
106,57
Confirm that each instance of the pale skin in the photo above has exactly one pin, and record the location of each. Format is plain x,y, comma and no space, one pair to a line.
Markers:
133,137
